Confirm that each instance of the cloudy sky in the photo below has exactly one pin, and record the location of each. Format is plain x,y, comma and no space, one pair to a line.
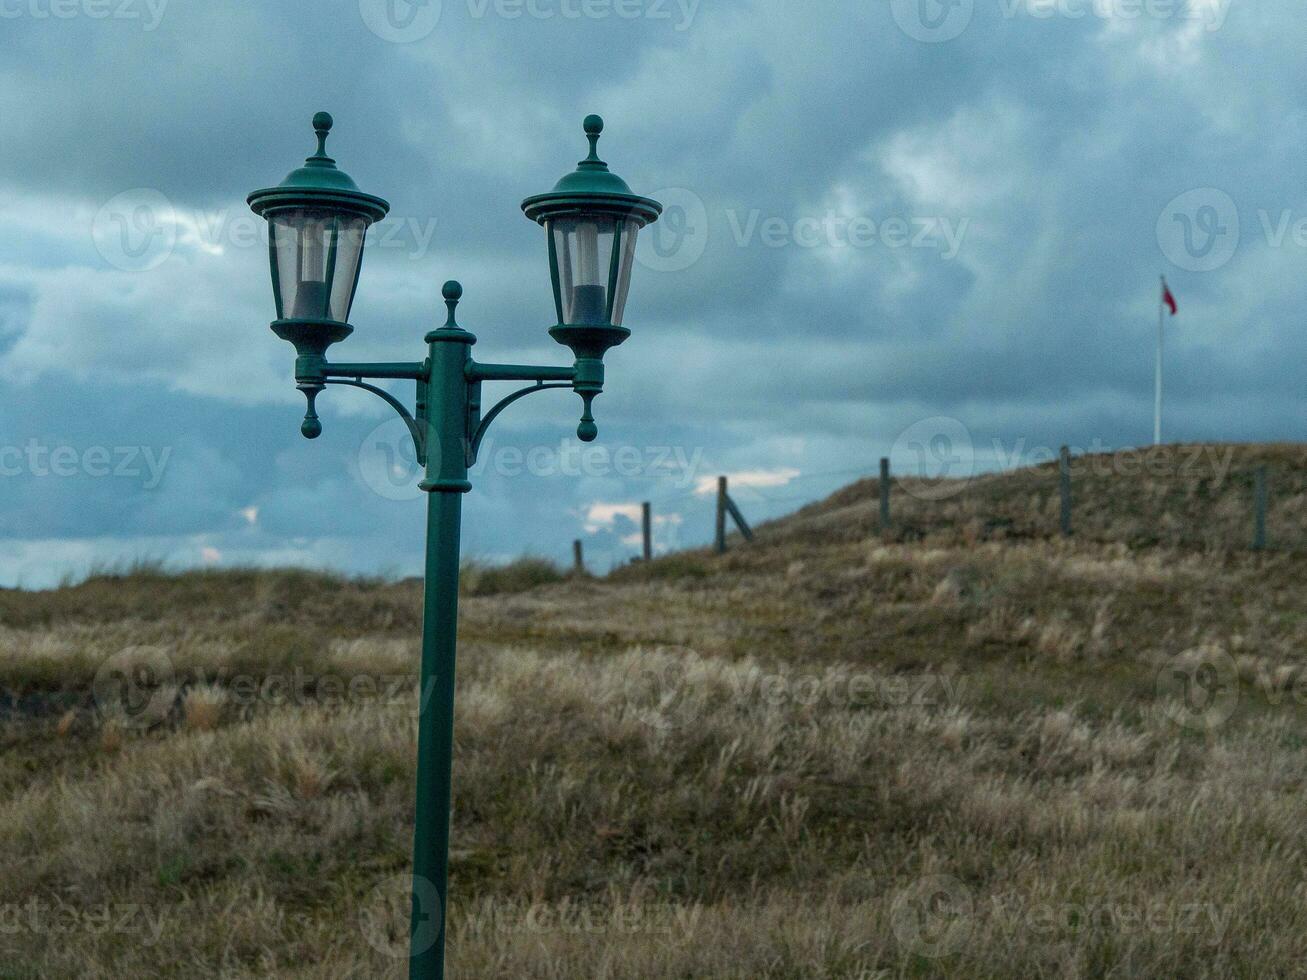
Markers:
888,221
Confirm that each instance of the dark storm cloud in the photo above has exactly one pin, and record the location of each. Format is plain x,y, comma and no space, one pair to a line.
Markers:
865,230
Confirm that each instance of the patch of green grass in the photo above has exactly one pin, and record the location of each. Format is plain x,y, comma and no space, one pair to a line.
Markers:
679,565
527,573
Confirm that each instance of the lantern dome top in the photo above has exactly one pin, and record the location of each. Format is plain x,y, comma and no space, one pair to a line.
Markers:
319,183
592,187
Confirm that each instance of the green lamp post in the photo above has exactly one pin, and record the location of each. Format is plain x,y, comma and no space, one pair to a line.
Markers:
318,220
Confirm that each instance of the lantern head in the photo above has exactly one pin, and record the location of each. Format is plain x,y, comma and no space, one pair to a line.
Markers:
317,221
591,219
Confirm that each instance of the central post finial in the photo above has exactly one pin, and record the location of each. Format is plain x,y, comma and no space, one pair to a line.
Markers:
453,292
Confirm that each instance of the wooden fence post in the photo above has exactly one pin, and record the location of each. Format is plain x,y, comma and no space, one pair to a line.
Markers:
1064,474
884,494
721,515
647,520
578,559
738,518
1259,508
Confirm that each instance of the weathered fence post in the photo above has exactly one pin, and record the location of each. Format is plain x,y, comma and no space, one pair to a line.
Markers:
738,518
1064,474
578,559
884,494
721,515
647,520
1259,508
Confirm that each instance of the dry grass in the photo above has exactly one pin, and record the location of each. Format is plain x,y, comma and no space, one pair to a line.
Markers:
479,579
948,753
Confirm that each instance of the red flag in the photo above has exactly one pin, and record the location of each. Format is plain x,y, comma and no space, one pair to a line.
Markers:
1168,298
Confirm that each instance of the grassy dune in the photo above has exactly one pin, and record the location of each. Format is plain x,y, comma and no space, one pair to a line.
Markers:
961,747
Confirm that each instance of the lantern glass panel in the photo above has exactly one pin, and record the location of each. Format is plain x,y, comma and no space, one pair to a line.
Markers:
624,262
318,254
583,246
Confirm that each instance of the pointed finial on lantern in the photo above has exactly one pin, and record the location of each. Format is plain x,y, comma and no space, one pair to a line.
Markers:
322,123
593,126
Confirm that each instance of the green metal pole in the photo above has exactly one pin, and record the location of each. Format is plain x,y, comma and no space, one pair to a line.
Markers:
435,736
448,405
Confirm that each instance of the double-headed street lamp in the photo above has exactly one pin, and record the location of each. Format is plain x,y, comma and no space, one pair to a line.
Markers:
318,219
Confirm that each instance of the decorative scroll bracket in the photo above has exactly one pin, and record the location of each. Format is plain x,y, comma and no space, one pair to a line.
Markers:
475,443
414,428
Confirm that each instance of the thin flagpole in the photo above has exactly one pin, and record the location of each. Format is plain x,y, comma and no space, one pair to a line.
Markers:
1157,381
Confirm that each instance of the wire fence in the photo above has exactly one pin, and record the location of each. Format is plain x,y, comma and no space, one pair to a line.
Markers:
1209,498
